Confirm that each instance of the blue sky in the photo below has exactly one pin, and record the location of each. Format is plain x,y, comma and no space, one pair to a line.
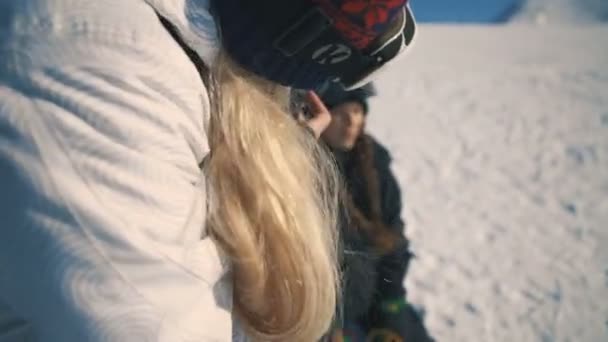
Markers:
471,11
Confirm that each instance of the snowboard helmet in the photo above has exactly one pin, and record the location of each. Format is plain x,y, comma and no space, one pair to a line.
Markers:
305,43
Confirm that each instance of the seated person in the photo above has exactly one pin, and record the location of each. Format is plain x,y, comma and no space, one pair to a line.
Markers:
376,253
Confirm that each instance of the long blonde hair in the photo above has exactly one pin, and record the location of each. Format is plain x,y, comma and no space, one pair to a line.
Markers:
272,208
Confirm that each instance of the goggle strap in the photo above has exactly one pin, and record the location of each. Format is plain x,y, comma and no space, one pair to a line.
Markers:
303,32
325,47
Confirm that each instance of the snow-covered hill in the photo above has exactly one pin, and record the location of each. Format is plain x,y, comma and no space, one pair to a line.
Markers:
563,12
500,139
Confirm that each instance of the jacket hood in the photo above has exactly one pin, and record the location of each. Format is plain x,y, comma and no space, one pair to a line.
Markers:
195,24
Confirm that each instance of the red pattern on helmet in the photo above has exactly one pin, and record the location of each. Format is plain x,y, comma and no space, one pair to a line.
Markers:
373,11
361,21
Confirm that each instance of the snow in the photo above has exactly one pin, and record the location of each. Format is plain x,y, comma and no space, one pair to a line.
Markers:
500,140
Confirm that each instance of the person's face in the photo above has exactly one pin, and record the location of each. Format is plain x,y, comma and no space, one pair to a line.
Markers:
346,125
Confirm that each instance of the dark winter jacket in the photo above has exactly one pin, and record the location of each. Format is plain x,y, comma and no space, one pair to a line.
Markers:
376,251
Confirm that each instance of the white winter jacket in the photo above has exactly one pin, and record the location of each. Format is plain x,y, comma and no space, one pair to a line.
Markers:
102,202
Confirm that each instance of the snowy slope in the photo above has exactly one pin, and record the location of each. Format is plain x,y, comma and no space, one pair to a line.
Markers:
560,12
500,139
